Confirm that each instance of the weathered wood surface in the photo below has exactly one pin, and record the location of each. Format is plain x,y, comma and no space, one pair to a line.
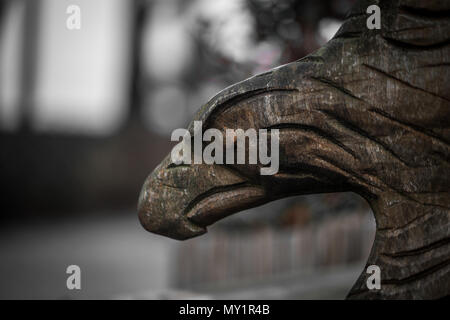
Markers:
370,113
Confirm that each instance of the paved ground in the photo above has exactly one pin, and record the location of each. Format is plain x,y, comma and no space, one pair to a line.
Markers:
116,256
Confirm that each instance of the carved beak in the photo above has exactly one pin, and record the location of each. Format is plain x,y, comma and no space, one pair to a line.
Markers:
181,201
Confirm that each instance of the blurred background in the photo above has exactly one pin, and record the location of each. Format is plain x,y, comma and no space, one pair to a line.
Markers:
90,91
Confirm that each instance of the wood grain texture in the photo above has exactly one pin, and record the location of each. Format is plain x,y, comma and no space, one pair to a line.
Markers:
369,112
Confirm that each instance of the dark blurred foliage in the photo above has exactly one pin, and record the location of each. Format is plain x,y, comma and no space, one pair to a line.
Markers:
294,23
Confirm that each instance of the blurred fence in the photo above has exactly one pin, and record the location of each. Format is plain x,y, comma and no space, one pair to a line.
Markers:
229,257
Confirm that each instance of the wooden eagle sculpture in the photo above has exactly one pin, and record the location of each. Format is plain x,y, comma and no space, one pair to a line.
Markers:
369,112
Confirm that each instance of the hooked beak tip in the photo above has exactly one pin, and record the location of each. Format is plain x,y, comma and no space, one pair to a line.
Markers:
178,229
